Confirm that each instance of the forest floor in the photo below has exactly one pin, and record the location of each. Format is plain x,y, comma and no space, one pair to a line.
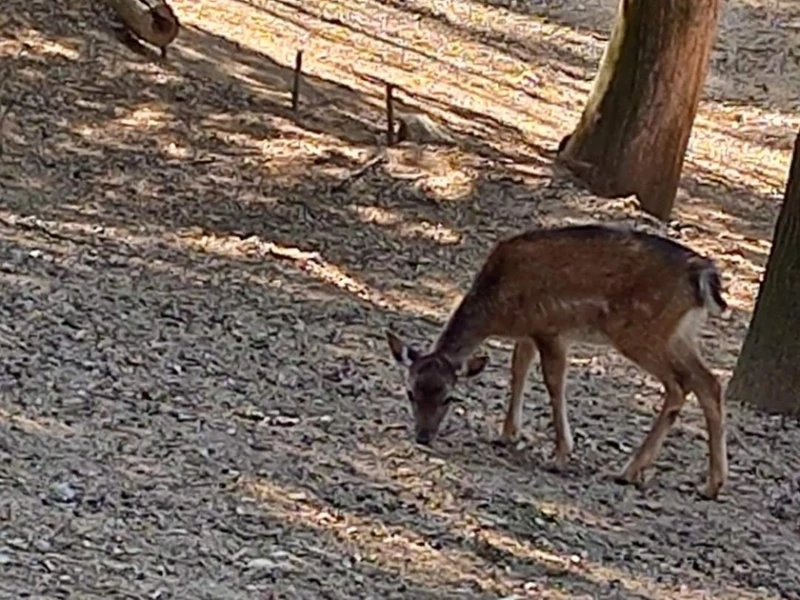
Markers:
196,397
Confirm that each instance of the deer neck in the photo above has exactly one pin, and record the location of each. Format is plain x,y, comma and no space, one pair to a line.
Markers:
463,333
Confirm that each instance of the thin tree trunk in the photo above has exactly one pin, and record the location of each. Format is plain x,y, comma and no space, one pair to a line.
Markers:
635,128
767,373
150,20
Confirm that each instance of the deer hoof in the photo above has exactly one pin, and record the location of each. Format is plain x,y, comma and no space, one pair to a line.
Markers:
508,436
557,463
709,491
629,477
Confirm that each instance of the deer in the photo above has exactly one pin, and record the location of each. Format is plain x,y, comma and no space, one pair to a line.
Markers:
645,295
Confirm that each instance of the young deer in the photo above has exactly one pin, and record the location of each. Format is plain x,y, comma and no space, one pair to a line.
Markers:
645,295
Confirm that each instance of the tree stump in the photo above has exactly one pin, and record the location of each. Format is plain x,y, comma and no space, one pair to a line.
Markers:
421,129
153,21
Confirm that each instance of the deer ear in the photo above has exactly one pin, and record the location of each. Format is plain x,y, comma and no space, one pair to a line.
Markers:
402,352
474,365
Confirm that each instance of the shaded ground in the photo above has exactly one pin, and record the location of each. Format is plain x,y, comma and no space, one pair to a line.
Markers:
197,401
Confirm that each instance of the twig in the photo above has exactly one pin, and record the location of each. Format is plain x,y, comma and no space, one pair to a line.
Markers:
39,228
376,160
737,435
298,68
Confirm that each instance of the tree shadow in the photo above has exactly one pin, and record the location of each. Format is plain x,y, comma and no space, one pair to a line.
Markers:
741,48
596,17
329,107
750,215
290,202
194,392
528,49
524,50
428,540
756,66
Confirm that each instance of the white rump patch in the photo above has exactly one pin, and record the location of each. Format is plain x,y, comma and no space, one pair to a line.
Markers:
689,327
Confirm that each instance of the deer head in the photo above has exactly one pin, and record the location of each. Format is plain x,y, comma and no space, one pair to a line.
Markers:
431,378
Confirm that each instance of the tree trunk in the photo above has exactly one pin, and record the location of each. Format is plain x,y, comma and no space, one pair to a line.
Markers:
150,20
767,374
635,128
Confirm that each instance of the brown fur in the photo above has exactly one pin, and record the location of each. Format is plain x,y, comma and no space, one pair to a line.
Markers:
642,294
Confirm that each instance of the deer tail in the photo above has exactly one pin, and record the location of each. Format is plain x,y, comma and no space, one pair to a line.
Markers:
707,286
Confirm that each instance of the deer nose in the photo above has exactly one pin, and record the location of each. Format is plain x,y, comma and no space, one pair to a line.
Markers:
424,438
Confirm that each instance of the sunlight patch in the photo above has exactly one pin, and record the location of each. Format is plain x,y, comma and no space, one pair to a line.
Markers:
455,185
42,425
144,117
43,46
377,215
389,546
392,218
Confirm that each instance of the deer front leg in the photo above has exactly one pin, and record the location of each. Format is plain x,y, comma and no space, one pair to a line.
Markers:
524,352
554,370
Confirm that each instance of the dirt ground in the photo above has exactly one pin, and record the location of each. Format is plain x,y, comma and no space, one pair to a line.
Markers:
197,400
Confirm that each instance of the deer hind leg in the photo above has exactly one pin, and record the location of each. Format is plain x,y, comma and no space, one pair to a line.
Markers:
674,399
707,388
524,353
553,354
662,366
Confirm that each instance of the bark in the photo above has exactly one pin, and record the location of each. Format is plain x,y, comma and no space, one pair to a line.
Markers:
634,130
767,373
150,20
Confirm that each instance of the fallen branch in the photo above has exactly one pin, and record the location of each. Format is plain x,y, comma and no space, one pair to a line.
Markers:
358,173
34,225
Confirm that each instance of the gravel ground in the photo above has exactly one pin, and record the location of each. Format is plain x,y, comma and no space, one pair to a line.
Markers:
196,398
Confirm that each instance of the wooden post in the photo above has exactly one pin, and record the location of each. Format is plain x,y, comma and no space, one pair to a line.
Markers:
389,114
298,68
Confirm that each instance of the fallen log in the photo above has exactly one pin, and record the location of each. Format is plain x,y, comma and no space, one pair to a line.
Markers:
153,21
